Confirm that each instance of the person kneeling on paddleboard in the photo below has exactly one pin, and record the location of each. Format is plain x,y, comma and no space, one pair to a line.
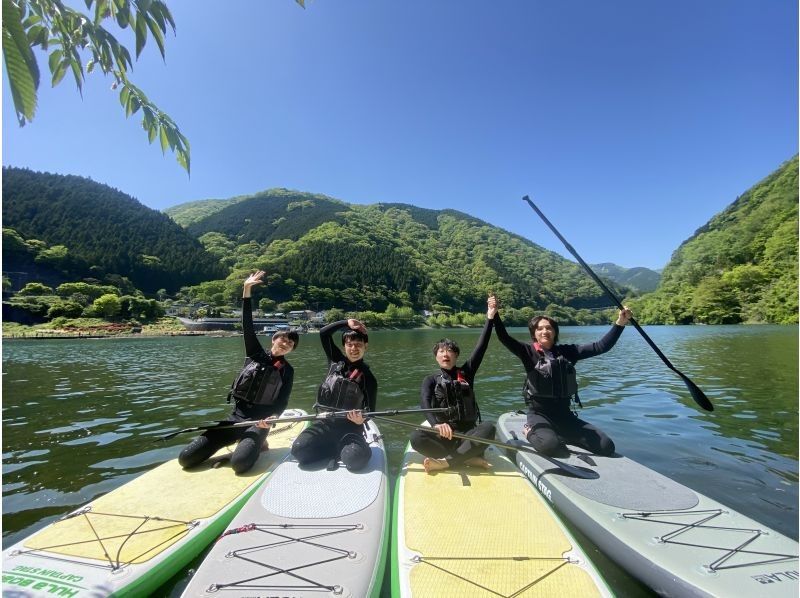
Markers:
551,384
350,387
260,391
452,387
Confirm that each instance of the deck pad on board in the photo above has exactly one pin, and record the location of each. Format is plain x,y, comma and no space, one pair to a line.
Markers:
676,540
622,483
466,531
296,492
308,532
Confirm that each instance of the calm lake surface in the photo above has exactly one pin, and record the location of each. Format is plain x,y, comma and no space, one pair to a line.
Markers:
80,417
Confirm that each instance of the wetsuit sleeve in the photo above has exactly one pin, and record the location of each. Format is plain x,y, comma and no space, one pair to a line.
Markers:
286,389
517,348
578,352
251,345
474,362
332,352
426,398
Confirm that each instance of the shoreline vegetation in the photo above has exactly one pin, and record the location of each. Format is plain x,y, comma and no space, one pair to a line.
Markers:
167,326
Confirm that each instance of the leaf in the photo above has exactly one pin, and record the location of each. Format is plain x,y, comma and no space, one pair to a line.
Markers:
123,96
60,71
123,15
55,59
135,104
158,36
141,32
21,67
164,140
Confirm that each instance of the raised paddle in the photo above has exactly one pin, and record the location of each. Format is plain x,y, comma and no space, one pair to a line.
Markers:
299,418
698,395
574,470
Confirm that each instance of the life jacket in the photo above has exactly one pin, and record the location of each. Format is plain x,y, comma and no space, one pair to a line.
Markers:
259,382
341,389
552,383
458,396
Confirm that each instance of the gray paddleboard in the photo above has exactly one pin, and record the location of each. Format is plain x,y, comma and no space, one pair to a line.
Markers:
306,532
675,540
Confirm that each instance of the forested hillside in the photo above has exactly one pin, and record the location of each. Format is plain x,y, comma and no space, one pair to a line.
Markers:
640,279
741,266
325,253
94,230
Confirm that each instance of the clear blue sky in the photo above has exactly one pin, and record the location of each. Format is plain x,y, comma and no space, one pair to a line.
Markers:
630,123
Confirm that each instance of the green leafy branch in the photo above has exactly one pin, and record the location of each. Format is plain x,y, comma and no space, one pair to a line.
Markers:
68,35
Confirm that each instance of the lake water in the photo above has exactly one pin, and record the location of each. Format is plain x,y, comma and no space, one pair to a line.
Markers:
80,417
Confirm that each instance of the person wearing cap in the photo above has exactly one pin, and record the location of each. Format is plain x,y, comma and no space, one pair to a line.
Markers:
350,387
260,391
551,383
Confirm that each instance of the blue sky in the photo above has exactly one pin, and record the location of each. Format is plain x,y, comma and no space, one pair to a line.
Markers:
630,123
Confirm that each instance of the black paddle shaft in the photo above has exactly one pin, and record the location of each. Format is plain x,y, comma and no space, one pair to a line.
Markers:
698,395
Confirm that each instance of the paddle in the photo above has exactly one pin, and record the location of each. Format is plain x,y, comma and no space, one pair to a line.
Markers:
698,395
299,418
578,472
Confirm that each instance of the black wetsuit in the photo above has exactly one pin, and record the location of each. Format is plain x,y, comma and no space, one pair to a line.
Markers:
552,422
455,450
339,438
251,438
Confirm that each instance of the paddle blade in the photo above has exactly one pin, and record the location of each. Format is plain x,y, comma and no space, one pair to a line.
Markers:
698,395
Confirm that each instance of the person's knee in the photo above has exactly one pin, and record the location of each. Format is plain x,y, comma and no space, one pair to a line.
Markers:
546,444
487,430
245,455
355,456
302,450
195,453
606,448
419,441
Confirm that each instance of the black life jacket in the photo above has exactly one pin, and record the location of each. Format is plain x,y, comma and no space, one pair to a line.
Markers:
342,389
551,383
259,382
458,396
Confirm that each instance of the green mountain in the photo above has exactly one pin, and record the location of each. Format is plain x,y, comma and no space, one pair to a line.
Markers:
324,252
639,279
95,231
741,266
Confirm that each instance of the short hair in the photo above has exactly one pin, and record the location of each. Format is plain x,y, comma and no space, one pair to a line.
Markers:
354,335
289,335
446,343
535,322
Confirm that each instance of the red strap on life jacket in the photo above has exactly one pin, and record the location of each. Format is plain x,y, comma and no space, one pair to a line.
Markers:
355,375
277,363
460,377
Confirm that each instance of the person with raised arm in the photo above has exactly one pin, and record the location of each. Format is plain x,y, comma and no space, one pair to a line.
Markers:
349,386
453,386
551,383
260,392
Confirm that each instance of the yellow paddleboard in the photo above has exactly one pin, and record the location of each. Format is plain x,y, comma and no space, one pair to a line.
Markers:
136,537
472,532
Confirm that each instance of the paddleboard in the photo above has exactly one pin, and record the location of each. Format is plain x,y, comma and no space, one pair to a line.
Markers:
133,539
675,540
467,531
308,531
